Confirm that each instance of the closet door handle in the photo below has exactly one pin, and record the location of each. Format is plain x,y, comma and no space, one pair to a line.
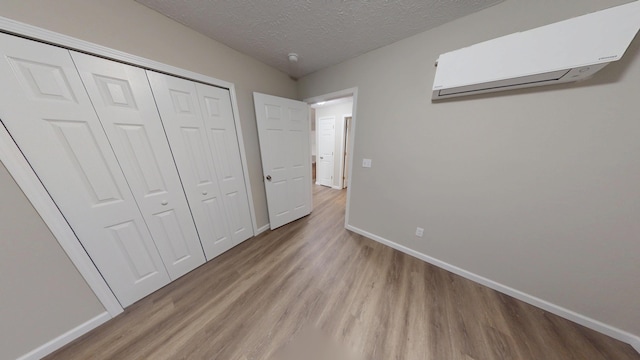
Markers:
269,177
204,193
164,202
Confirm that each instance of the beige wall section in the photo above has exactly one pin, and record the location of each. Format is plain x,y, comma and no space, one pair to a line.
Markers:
339,111
128,26
536,189
42,295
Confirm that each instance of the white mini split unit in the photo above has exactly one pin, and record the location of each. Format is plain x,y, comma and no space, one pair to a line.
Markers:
566,51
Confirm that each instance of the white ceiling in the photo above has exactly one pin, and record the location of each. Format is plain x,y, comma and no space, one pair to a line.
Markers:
321,32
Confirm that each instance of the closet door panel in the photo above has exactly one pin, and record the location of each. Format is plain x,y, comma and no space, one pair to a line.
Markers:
125,106
215,104
177,102
44,106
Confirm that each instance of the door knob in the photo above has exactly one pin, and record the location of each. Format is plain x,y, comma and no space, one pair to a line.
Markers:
269,177
164,202
321,158
204,193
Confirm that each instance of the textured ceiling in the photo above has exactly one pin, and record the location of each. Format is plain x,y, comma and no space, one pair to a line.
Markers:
321,32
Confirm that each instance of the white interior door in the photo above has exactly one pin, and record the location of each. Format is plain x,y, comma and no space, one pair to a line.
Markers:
125,106
326,130
215,104
283,130
177,101
46,109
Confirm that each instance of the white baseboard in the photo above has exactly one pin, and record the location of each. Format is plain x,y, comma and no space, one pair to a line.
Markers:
593,324
66,338
262,229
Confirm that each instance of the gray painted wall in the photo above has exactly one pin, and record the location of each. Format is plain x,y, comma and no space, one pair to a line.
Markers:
42,295
535,189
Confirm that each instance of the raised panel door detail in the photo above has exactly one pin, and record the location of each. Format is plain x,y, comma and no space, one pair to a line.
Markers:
298,120
283,129
144,161
182,102
192,138
127,111
89,163
133,250
47,111
216,218
41,80
181,115
212,106
279,154
298,140
115,92
273,112
298,195
220,146
223,142
234,204
175,236
326,145
280,189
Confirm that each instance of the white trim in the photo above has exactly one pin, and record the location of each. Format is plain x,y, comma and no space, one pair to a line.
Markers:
334,95
310,172
243,158
343,131
69,336
593,324
336,187
40,34
263,229
33,32
28,181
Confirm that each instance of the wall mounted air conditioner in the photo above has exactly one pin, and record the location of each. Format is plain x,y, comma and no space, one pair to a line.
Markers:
566,51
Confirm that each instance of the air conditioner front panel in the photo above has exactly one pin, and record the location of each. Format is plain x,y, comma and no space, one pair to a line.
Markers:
538,56
496,85
554,77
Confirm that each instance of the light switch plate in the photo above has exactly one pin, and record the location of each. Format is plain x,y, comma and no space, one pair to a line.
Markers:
366,163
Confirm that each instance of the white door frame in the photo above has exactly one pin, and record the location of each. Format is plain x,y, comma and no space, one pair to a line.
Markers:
335,95
343,134
27,180
345,154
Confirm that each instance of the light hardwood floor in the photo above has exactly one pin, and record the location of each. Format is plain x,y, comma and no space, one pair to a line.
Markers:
313,282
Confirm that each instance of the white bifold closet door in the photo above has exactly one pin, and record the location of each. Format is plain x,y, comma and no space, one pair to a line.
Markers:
215,104
125,106
198,121
46,109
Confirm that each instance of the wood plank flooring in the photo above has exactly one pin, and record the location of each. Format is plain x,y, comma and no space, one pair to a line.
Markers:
311,290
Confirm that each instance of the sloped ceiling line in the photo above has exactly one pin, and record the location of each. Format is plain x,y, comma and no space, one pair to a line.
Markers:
321,32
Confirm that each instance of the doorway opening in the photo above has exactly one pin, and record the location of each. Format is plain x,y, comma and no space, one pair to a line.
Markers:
332,127
331,123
